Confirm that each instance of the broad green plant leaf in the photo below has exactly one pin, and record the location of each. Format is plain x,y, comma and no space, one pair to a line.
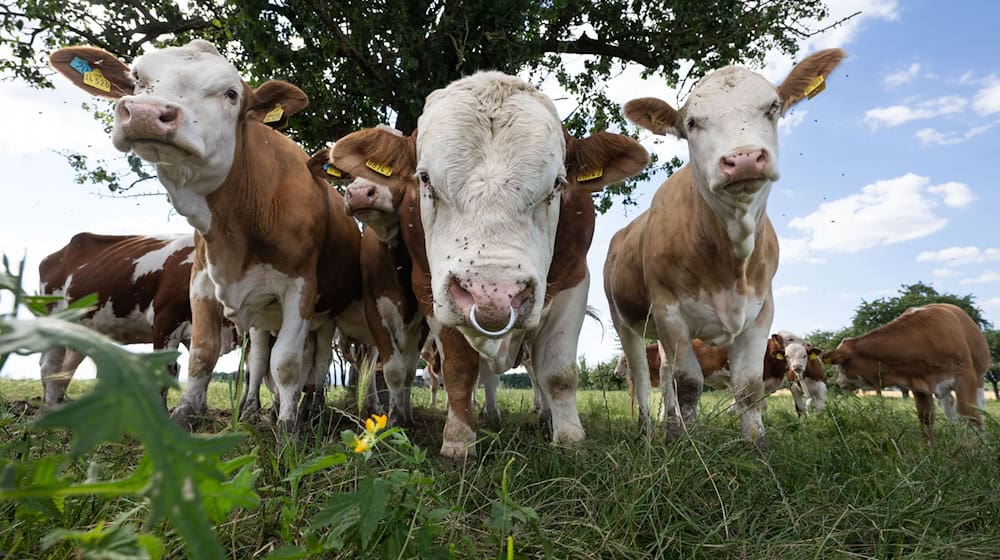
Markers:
126,399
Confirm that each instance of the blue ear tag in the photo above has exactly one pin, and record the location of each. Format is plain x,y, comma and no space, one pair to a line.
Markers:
80,65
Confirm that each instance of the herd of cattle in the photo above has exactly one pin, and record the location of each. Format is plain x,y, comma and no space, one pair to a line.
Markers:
477,228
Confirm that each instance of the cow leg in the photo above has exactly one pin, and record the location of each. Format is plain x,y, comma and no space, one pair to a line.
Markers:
746,359
257,364
314,400
459,366
796,389
966,389
681,379
946,399
401,364
925,412
539,404
432,378
287,358
164,340
634,347
490,379
58,366
817,394
553,355
206,326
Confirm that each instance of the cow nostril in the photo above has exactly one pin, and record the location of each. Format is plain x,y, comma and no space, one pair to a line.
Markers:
371,192
168,115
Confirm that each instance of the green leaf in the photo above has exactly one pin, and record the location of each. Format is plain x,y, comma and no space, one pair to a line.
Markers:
316,464
116,542
128,386
220,499
373,498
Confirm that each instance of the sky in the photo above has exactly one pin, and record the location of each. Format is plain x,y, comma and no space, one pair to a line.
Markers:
885,176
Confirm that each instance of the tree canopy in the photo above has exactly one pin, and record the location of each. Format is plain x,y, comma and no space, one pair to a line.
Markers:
372,61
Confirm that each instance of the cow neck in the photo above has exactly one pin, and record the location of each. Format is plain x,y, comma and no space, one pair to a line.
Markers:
411,235
742,223
574,234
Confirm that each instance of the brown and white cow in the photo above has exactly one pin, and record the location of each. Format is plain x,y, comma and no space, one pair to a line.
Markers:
806,376
279,252
141,285
922,349
498,218
699,262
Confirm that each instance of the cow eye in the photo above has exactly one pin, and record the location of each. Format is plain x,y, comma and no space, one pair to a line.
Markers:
692,124
232,94
424,178
772,111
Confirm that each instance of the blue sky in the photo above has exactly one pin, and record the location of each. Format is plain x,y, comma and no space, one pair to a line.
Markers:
885,176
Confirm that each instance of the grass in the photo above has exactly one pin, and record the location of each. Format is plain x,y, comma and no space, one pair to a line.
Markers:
854,482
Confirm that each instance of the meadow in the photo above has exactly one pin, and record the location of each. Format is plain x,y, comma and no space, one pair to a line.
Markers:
855,481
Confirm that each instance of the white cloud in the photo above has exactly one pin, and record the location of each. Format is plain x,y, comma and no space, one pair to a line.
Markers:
789,290
885,212
956,195
902,76
792,120
955,256
944,272
896,115
995,302
984,278
797,250
987,100
929,136
47,120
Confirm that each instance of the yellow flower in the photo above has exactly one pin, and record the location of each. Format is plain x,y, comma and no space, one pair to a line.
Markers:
380,421
370,425
361,444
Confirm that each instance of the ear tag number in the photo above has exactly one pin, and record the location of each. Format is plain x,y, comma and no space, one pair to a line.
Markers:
379,168
331,170
274,115
80,65
96,80
590,175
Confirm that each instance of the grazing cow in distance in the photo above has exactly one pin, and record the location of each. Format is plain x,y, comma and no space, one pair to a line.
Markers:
498,217
142,286
276,247
922,349
432,357
699,262
805,373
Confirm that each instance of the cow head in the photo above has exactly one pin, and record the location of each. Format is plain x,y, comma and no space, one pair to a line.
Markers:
730,121
179,107
491,162
849,376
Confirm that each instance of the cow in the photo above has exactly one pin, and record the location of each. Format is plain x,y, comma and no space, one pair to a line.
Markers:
141,283
432,358
276,246
806,376
699,262
923,349
498,217
714,364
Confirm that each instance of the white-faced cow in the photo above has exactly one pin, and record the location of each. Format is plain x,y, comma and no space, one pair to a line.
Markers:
922,349
141,285
699,262
498,218
279,252
805,373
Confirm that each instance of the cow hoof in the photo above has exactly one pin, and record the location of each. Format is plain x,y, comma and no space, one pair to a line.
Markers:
186,416
674,429
399,419
250,410
493,419
545,421
458,450
569,434
286,426
762,444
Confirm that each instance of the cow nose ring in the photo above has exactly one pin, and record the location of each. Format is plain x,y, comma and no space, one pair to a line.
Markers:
494,334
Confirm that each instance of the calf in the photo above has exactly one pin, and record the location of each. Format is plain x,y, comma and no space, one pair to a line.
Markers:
922,349
699,262
142,296
497,217
806,376
278,250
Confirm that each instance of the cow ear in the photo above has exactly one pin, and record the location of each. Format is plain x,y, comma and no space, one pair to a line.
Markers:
808,78
93,70
321,168
274,101
655,115
380,154
602,159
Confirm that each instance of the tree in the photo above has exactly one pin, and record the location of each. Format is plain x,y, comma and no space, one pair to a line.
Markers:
873,314
366,62
993,375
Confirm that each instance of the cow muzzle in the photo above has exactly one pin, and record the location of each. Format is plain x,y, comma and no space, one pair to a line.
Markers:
492,308
147,120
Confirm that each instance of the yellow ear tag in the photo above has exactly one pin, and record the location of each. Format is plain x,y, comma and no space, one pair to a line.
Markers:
590,175
779,356
379,168
815,87
331,170
827,360
96,80
274,115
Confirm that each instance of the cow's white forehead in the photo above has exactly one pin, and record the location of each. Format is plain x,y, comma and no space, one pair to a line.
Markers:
199,59
733,86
